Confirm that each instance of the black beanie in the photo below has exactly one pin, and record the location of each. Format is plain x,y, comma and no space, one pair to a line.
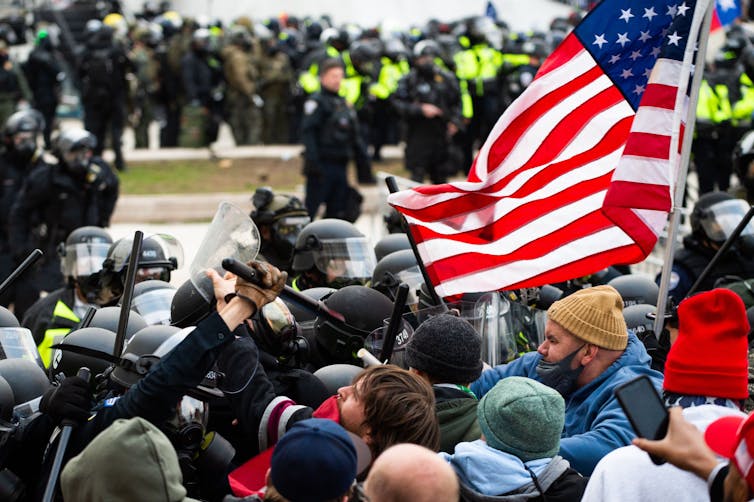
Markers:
447,348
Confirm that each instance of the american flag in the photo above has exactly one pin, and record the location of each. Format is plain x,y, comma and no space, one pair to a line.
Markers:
578,172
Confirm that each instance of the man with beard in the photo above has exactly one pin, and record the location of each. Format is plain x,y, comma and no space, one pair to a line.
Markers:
587,352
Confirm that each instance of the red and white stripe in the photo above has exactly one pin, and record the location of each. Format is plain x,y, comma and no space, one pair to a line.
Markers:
533,210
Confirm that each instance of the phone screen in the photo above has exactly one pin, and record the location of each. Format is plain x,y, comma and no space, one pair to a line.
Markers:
644,408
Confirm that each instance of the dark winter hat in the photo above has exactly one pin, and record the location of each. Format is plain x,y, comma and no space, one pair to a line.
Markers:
522,417
447,348
315,460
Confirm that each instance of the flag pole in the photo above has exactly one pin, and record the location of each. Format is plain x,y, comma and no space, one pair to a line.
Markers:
688,136
392,186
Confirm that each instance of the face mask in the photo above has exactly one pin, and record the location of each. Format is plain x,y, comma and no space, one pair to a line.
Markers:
560,376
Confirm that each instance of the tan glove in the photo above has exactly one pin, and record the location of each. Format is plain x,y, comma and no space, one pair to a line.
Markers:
271,283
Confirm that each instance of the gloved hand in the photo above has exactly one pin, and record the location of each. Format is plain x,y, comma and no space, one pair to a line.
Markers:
271,282
71,400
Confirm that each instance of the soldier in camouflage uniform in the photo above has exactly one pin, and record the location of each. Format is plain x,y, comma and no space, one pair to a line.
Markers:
241,75
147,84
274,88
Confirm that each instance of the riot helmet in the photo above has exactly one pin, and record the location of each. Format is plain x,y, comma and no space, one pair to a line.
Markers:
335,376
18,343
305,318
390,244
636,290
160,255
716,215
334,249
21,132
188,306
396,50
109,317
365,56
200,40
395,269
7,400
339,342
73,148
152,300
66,360
139,354
82,255
280,219
7,319
339,39
27,380
240,36
743,161
638,321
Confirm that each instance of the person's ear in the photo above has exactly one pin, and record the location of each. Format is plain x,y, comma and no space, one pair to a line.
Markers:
589,354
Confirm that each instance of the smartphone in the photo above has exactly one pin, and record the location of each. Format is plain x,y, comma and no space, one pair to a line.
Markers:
644,408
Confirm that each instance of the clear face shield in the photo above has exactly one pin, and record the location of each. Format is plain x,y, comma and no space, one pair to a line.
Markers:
18,343
348,260
493,325
78,159
154,306
84,259
719,220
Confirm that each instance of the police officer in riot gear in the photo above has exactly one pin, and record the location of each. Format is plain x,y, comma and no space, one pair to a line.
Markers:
20,154
429,100
56,199
330,133
53,316
280,219
715,216
331,253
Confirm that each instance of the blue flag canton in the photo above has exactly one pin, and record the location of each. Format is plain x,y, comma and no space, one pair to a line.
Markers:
727,11
626,38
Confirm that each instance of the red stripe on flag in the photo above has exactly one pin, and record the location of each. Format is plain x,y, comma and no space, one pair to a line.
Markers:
566,51
642,144
660,96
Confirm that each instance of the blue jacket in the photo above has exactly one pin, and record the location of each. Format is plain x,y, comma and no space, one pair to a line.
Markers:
595,424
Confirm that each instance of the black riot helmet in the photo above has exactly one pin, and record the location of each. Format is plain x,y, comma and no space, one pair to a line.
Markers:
66,360
82,256
715,217
109,317
136,360
390,244
637,320
336,250
21,132
27,380
7,400
395,269
636,290
152,300
743,155
303,315
338,38
280,219
365,55
338,342
188,306
73,148
160,255
7,319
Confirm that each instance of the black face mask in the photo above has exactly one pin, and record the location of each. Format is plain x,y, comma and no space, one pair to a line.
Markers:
560,376
426,69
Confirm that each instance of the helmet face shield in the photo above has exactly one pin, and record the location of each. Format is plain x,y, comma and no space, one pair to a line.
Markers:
18,343
287,228
279,320
719,220
351,258
154,306
83,259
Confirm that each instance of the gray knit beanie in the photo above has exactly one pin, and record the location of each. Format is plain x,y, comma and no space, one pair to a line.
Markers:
447,348
522,417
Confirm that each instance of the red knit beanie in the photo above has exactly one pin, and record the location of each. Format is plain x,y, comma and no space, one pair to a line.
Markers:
710,356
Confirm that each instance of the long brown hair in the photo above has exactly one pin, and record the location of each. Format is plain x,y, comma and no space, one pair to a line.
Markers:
399,407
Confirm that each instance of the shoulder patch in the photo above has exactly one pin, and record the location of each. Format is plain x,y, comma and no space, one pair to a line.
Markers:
310,106
110,402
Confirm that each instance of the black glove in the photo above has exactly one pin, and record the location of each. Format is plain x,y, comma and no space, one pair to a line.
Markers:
70,400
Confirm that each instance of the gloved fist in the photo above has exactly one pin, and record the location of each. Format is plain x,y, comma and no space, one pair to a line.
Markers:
271,283
71,400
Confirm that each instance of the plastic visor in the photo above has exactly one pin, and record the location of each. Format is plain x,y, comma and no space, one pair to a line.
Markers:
414,278
722,218
351,258
376,340
17,343
491,322
154,306
288,228
84,259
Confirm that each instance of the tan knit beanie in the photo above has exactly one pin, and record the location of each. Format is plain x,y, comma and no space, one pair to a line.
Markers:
593,314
